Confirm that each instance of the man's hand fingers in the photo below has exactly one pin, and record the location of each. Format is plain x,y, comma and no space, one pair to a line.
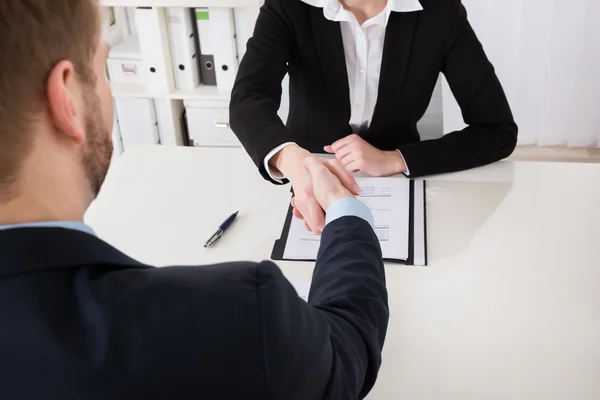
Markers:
317,215
301,209
298,214
295,211
307,227
328,149
307,217
338,169
309,208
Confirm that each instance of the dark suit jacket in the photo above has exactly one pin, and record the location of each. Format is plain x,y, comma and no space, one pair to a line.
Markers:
291,36
80,320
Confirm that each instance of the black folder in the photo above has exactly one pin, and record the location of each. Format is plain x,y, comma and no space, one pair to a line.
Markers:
279,246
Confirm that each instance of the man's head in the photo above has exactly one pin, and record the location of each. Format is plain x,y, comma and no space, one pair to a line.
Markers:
56,111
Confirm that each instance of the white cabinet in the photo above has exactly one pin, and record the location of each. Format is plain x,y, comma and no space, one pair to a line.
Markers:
207,105
137,122
208,124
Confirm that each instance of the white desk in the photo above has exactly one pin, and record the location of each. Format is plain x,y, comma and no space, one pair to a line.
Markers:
509,307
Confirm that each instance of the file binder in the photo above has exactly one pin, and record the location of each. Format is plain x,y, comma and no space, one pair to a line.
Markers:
114,25
207,68
216,34
148,26
138,122
243,30
417,231
184,55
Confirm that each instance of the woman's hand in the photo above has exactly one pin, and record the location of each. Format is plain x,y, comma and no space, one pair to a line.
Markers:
292,162
358,155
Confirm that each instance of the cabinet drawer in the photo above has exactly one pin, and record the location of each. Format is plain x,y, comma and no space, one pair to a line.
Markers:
210,127
137,122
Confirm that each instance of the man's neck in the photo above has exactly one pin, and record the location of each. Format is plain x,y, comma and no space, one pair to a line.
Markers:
40,197
25,209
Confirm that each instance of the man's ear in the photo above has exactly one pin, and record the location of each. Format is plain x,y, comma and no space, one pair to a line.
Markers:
62,101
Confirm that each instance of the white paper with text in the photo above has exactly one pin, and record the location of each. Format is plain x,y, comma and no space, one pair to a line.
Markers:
389,201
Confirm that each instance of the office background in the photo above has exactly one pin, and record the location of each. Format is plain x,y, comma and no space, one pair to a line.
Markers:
547,54
508,307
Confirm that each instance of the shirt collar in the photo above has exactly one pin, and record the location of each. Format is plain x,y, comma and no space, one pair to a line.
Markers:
333,10
405,5
395,5
76,226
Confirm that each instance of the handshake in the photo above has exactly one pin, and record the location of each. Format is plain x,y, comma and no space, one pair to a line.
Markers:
317,183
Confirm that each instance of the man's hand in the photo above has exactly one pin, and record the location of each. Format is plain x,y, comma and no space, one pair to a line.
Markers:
326,185
358,155
291,162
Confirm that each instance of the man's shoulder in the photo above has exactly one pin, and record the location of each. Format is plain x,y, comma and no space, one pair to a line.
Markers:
187,322
211,288
187,297
240,276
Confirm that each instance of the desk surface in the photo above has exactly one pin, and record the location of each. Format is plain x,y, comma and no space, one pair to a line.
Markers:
508,308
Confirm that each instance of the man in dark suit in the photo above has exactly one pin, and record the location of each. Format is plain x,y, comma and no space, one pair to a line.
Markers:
361,76
80,320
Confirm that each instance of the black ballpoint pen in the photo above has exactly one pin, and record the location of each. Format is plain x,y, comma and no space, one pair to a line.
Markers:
210,242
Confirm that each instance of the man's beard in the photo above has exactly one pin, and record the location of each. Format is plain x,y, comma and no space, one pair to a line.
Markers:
98,150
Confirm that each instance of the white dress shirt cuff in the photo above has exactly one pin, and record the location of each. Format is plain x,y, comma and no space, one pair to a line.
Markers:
407,173
349,207
275,174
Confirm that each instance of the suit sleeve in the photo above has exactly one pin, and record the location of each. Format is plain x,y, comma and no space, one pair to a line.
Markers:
331,347
492,132
256,95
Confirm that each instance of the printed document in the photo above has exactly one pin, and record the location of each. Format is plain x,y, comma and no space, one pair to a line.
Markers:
302,288
389,201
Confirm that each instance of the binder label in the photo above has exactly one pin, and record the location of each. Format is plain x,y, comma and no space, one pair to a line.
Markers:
202,15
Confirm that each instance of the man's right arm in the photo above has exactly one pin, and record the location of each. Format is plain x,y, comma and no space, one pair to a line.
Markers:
349,285
330,348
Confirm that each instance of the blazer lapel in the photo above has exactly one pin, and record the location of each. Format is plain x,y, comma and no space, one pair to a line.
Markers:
330,51
397,51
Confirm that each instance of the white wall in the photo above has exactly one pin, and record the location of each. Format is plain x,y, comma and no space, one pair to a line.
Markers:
546,54
432,124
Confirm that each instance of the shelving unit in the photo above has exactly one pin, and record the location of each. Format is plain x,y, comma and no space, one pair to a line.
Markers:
202,93
208,93
124,90
170,104
183,3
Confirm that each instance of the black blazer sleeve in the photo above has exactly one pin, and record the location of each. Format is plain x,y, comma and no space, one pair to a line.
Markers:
492,132
256,95
331,347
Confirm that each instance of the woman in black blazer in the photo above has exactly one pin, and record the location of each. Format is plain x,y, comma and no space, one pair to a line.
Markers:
362,73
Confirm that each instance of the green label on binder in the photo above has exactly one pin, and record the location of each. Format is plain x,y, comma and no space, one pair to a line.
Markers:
202,16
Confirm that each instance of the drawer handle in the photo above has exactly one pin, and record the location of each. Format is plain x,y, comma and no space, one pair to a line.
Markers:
221,124
129,69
